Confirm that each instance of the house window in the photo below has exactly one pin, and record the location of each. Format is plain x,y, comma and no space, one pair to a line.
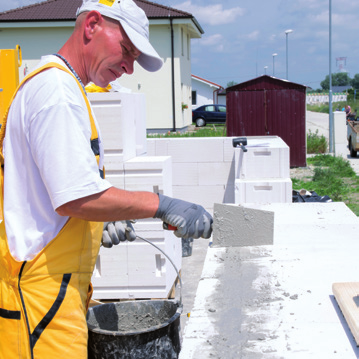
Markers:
194,97
188,47
182,47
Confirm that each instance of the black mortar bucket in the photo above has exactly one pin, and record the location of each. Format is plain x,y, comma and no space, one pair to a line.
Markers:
143,329
135,330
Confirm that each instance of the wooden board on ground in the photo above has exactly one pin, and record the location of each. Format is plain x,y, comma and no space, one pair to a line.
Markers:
94,302
347,296
172,292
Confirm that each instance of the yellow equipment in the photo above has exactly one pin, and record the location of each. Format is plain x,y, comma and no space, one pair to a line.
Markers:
10,61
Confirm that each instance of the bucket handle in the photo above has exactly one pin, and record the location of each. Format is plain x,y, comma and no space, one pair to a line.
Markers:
178,275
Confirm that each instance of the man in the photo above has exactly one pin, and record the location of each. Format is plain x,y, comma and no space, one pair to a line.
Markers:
54,199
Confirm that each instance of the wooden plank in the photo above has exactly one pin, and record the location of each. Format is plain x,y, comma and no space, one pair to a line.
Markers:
347,296
172,292
94,302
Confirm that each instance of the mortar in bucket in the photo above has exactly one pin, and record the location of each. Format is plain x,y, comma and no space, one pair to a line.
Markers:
142,329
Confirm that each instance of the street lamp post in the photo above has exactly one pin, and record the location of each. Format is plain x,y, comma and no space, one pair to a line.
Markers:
274,55
265,70
286,35
331,120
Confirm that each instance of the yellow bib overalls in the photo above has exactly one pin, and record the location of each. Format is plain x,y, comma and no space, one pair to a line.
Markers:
43,301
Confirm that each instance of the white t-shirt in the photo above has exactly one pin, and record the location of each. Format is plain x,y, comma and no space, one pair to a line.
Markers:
48,159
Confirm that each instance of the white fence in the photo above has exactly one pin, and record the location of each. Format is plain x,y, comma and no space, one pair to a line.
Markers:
317,98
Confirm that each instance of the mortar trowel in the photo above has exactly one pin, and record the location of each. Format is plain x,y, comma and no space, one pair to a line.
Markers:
238,226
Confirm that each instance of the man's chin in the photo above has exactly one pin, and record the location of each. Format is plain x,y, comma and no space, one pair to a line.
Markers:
102,84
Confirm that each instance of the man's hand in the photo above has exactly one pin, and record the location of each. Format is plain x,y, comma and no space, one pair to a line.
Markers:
116,232
191,220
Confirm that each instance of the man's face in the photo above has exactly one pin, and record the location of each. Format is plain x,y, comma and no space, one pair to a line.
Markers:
114,54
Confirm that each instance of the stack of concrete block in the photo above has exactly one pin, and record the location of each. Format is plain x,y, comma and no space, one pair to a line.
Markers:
203,168
262,173
136,269
210,170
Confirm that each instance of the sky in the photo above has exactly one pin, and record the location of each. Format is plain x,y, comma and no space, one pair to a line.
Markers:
241,36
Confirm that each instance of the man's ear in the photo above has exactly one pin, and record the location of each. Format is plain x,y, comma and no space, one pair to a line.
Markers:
93,20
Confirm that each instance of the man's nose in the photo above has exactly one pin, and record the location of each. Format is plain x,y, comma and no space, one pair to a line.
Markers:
128,66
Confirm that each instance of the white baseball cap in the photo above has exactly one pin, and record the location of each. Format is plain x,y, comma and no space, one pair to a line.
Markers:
135,23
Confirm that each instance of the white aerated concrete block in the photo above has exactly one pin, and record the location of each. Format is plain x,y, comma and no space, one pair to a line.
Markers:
151,273
138,269
263,191
115,175
265,158
185,174
122,120
187,150
110,276
206,196
217,173
148,173
151,148
196,149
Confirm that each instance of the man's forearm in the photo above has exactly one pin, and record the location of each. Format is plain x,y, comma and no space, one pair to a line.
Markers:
112,205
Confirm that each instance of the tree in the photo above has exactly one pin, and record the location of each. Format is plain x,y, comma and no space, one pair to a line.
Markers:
232,83
355,81
338,79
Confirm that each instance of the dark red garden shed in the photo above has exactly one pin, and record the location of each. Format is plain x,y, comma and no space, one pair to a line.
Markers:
270,106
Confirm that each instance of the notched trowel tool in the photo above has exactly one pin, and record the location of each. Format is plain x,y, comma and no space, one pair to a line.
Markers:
238,226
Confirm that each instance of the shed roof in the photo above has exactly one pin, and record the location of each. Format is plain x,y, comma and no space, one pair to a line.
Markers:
265,82
65,10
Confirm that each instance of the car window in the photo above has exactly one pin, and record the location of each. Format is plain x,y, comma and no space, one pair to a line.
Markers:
209,108
222,108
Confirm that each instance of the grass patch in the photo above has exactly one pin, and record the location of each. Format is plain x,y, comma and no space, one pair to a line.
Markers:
316,143
206,131
339,166
324,107
334,177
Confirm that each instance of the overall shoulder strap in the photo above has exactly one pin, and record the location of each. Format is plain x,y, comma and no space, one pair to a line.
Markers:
94,134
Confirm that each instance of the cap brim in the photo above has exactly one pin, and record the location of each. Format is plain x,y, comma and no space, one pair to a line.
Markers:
149,58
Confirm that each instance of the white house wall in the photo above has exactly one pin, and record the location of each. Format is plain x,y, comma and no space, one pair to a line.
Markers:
222,100
204,93
158,86
47,38
34,42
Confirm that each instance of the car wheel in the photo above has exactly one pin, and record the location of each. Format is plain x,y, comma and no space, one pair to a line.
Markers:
200,122
352,152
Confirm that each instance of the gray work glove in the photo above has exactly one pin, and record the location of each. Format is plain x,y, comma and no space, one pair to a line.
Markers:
191,220
116,232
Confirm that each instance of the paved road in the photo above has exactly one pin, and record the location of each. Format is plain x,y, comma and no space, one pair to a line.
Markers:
320,121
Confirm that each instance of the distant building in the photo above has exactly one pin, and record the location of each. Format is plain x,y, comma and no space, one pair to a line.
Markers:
204,92
268,106
42,29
